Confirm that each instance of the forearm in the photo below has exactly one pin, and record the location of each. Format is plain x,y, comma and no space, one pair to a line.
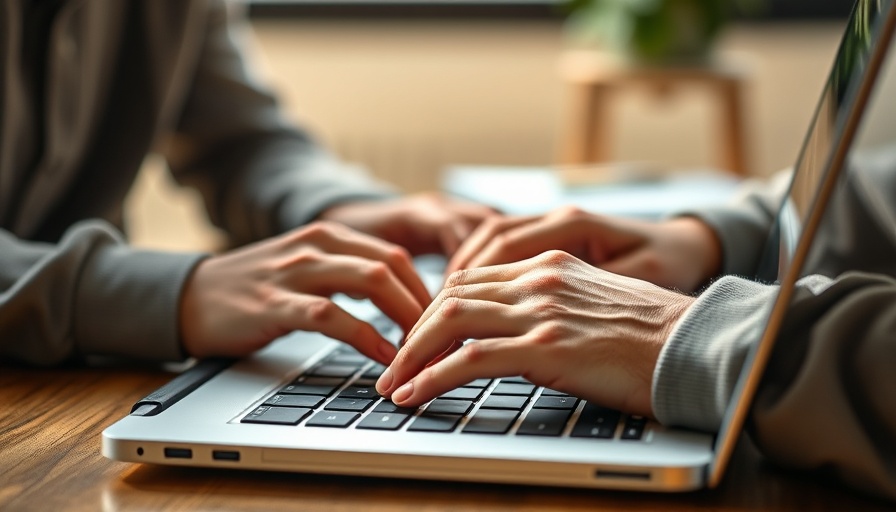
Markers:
828,398
89,295
259,174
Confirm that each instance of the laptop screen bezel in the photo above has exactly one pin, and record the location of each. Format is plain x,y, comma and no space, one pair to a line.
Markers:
847,123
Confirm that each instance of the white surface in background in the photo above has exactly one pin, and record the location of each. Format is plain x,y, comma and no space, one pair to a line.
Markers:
533,190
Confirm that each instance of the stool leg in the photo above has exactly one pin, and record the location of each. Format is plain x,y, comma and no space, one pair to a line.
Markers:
587,137
733,146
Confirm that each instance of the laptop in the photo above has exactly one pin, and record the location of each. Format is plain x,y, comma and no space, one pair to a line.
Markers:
306,403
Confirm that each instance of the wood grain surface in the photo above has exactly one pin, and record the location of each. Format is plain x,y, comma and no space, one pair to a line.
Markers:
50,459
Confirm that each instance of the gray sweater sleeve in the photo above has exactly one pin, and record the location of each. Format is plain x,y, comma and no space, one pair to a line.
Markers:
827,400
259,175
90,294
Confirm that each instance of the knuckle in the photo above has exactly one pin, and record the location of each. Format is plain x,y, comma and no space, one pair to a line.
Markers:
452,307
397,255
545,282
377,272
457,278
548,333
555,257
472,353
320,310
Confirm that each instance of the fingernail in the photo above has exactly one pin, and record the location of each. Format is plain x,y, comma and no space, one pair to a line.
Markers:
388,351
384,382
403,393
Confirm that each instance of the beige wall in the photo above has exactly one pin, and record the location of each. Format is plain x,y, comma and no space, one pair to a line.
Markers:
408,98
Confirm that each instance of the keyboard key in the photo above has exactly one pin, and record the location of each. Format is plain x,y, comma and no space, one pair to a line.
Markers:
446,406
374,372
509,388
383,421
515,380
276,415
358,392
544,422
596,422
491,421
348,404
633,429
463,394
308,389
434,423
556,402
334,419
505,402
478,383
309,401
389,406
333,370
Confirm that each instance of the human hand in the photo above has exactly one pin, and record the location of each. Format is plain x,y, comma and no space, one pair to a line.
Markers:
422,223
236,303
681,253
553,319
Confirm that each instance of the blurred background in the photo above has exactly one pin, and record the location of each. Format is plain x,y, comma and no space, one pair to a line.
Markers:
409,88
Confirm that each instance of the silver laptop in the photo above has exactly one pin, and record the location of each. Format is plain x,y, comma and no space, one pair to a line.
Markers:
307,403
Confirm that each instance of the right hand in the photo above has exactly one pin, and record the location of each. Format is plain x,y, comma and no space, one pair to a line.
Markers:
238,302
681,253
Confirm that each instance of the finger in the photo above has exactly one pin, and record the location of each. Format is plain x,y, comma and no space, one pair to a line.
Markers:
532,238
454,319
319,314
491,289
361,277
481,237
452,236
342,240
487,358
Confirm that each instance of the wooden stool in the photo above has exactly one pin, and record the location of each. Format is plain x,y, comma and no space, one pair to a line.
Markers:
594,77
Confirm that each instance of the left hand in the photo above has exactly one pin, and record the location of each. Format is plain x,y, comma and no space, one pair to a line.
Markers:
423,223
553,319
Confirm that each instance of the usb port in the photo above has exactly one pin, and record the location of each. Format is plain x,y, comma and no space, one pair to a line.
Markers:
178,453
225,455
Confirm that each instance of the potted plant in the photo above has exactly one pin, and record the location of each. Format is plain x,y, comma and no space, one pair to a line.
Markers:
653,31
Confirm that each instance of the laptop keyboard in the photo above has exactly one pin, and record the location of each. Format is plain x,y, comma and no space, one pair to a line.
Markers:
339,392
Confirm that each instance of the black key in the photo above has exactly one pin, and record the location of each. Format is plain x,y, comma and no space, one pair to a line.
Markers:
505,402
333,370
364,382
633,428
333,419
491,421
276,415
478,383
515,380
553,392
544,422
596,421
348,404
373,372
310,401
434,423
308,389
358,392
383,421
510,388
556,402
446,406
389,406
463,394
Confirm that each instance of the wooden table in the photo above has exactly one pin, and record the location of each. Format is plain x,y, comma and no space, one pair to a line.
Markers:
50,459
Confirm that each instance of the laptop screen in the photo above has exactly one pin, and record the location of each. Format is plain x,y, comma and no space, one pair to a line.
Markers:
828,122
828,140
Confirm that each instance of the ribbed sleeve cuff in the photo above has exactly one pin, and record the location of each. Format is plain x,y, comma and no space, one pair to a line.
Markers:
127,303
701,361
